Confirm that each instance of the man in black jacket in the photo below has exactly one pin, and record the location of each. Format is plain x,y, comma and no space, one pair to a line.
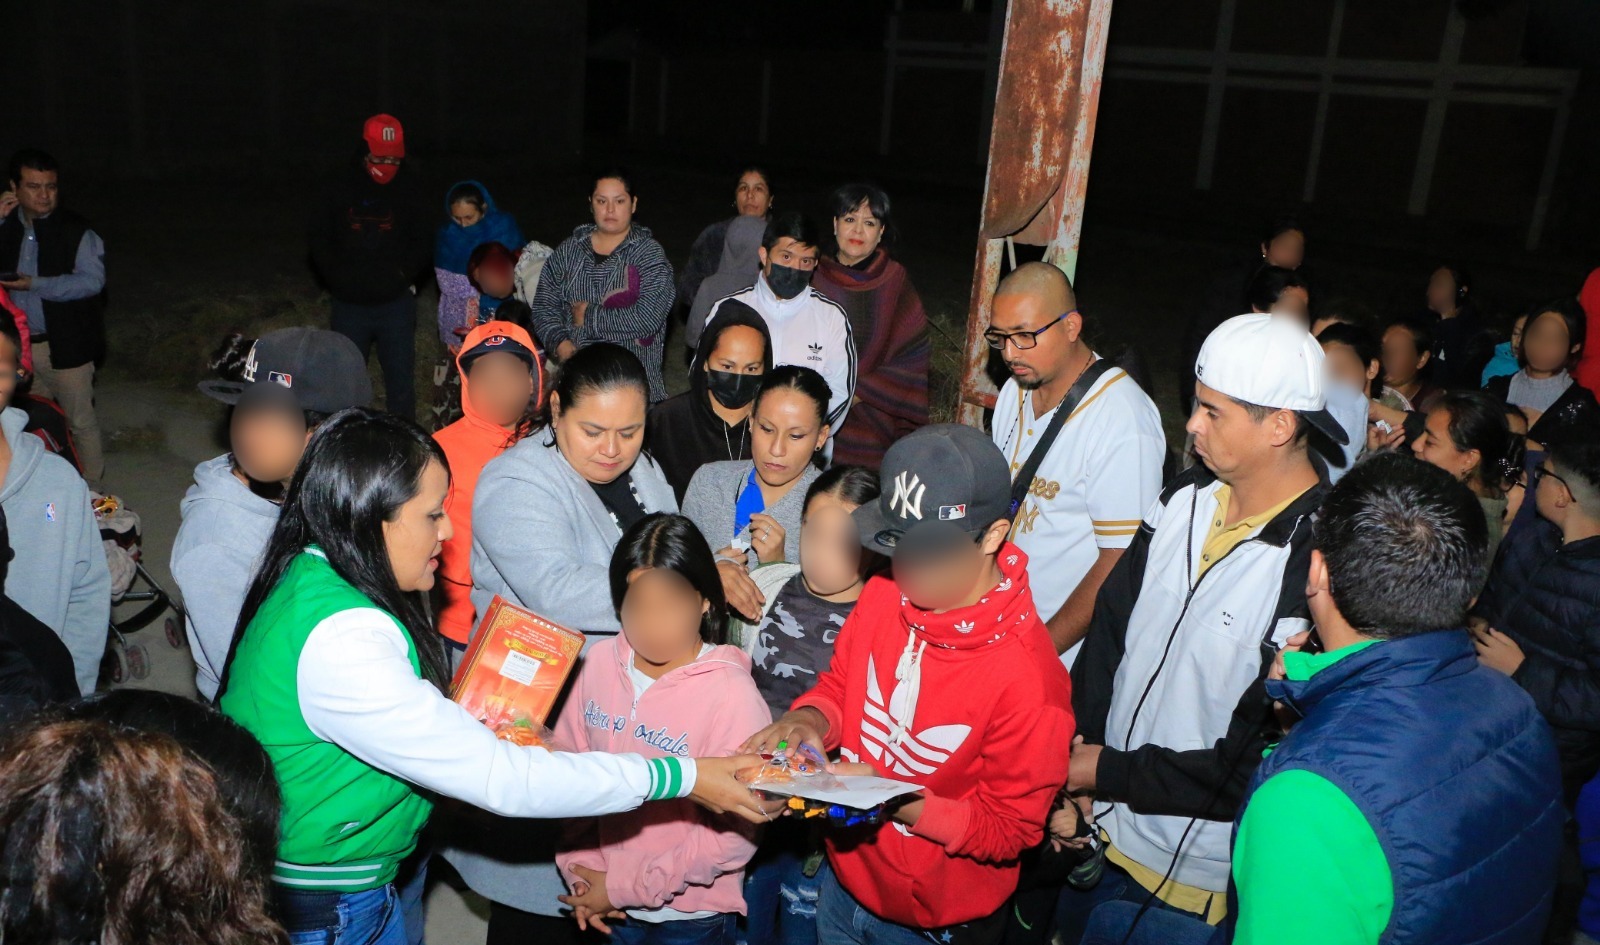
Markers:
1168,689
369,245
54,267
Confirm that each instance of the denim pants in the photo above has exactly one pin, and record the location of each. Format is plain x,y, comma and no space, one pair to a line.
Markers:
841,920
780,898
712,930
392,326
413,890
1112,922
1075,907
373,917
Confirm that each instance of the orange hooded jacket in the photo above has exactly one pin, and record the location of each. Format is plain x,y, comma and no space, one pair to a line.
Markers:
470,443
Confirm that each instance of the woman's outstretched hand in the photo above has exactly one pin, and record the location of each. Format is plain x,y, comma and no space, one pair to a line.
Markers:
718,789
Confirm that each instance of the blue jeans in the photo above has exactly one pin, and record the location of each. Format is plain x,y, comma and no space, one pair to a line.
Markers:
780,897
841,920
373,917
1111,923
393,327
712,930
413,908
1074,908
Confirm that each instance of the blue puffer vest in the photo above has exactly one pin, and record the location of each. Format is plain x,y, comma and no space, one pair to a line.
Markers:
1456,772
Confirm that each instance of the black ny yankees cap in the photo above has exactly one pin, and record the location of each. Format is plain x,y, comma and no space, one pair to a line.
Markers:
941,487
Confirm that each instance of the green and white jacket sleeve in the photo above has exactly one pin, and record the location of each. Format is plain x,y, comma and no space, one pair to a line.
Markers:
358,691
1308,867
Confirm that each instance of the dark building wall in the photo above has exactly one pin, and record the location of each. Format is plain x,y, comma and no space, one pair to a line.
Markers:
1490,158
189,85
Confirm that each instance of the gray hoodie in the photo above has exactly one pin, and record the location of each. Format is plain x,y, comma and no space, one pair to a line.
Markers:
542,539
59,573
224,532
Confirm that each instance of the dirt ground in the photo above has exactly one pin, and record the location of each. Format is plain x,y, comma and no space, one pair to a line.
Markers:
189,261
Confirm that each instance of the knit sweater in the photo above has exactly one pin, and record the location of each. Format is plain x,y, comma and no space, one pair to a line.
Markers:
629,295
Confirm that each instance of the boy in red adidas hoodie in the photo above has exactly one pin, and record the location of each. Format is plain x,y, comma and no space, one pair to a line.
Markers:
943,676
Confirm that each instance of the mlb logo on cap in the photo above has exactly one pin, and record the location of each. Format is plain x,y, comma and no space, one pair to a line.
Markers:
279,378
943,486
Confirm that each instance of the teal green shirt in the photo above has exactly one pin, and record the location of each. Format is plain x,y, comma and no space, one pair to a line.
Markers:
1307,865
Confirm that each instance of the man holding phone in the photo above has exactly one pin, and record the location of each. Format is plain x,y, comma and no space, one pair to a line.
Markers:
53,266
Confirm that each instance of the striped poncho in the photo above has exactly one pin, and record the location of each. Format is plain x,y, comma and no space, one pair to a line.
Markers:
891,332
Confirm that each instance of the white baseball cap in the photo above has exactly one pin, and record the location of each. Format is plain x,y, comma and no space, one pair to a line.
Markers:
1269,361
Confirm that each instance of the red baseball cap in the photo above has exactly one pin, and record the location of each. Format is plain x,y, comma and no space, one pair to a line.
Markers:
385,137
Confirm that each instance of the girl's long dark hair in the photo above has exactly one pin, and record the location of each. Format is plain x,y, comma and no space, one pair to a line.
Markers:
359,468
672,542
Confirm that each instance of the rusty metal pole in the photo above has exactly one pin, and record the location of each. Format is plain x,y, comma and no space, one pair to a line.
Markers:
1051,60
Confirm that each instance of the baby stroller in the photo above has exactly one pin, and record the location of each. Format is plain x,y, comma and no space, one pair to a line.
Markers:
131,583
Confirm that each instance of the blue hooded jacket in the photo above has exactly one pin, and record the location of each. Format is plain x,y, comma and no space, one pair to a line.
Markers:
454,244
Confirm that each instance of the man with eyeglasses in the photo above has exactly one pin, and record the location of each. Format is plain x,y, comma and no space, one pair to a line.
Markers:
1099,473
370,246
1538,619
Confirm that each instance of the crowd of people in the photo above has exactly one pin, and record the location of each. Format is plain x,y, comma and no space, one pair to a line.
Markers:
1326,672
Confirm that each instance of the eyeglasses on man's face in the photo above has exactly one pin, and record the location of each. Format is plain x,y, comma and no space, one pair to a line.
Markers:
1022,340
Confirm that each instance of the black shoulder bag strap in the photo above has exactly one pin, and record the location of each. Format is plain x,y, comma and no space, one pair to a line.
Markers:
1024,480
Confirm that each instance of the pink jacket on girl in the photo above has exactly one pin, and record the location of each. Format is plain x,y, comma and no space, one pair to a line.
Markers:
666,853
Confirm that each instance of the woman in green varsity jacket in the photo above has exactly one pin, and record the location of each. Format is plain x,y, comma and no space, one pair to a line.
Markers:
337,672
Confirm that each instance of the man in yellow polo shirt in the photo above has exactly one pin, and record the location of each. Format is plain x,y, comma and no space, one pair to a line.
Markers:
1168,689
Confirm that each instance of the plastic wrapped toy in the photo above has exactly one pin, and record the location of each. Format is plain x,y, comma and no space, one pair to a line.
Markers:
801,775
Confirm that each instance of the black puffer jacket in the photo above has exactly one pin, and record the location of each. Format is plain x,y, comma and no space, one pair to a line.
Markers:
1546,597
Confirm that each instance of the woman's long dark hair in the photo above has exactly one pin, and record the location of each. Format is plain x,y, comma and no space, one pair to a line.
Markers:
1478,422
596,368
672,542
359,468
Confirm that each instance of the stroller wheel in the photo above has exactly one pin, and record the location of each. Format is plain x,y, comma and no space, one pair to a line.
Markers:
174,633
114,668
138,659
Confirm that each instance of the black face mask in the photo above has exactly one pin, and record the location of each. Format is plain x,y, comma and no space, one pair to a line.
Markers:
732,390
787,282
